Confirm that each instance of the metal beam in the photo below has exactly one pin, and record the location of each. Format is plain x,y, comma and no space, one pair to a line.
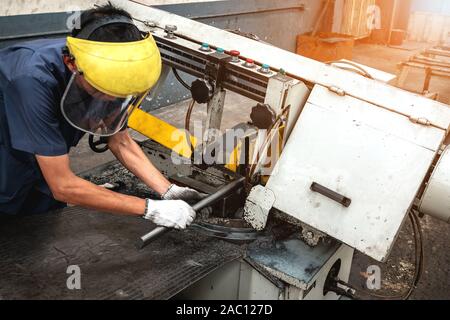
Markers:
221,9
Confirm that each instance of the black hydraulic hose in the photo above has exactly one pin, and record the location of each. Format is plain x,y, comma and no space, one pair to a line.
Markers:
419,265
187,120
177,75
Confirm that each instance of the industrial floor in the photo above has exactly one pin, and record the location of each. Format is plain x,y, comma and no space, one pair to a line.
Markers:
398,271
36,251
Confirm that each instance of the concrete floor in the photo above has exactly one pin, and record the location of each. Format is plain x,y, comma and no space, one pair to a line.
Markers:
398,270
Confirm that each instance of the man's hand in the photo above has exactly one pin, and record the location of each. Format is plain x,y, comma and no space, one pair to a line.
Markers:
170,213
186,194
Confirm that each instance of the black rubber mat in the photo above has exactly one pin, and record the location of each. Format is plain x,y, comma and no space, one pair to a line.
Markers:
35,252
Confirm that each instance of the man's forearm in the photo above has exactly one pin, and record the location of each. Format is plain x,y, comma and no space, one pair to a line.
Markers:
130,154
80,192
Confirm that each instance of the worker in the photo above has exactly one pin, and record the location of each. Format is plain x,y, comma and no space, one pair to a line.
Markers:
53,91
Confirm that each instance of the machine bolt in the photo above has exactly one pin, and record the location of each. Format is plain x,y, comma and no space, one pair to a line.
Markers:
205,47
235,56
249,63
265,68
170,31
282,72
150,24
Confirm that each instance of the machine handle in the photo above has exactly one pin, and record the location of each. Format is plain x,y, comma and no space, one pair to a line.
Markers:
346,202
208,201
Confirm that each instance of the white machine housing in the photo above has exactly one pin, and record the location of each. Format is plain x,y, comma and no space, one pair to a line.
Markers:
358,137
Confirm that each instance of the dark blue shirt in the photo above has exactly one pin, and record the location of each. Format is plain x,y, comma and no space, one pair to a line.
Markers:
33,79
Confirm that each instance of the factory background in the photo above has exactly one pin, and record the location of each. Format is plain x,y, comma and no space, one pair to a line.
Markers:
320,29
416,20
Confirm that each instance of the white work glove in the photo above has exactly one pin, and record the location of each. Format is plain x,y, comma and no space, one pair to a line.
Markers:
186,194
175,214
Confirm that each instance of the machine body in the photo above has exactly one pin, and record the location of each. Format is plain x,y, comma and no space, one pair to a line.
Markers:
354,152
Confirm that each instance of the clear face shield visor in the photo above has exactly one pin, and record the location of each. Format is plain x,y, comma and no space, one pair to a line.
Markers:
93,111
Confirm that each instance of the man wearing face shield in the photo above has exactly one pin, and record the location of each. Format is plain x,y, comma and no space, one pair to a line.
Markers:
54,91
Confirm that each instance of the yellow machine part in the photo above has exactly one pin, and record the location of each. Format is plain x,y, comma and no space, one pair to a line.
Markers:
176,139
235,156
171,137
233,160
163,133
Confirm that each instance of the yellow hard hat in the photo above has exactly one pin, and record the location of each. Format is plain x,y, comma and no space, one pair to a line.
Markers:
118,69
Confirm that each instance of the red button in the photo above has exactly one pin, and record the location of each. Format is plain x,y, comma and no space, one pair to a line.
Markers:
235,53
250,61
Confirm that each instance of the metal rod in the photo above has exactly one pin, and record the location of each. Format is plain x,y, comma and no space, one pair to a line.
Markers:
392,22
321,16
208,201
300,7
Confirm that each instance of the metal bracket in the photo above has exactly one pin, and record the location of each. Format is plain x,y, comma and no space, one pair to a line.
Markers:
257,207
340,92
421,121
214,116
216,67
